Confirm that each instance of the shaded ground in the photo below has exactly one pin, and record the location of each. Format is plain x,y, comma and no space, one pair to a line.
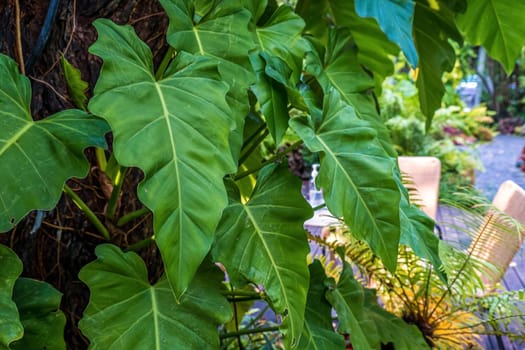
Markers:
499,158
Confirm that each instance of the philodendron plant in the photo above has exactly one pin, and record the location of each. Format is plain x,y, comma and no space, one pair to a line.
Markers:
238,72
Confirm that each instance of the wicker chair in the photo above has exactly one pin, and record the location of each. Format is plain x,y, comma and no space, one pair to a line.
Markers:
501,235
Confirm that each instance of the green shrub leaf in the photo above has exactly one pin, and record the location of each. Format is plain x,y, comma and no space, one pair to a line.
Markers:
36,158
498,25
278,63
11,328
39,307
356,174
337,67
368,324
177,131
373,46
76,87
318,332
395,19
433,27
263,241
126,312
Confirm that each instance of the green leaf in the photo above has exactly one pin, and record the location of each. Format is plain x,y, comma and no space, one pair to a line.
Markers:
220,32
356,174
126,312
318,332
337,67
39,307
348,299
11,328
368,324
272,99
434,25
395,19
417,230
418,233
498,25
401,335
76,87
177,131
278,64
263,241
373,46
281,36
36,158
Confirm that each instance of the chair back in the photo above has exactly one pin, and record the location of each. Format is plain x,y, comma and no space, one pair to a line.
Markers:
425,173
499,238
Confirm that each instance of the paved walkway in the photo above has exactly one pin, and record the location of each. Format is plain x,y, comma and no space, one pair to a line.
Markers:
499,158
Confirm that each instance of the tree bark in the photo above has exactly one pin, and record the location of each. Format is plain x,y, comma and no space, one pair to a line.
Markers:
56,246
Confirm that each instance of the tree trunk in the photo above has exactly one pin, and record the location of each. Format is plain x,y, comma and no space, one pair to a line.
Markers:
54,245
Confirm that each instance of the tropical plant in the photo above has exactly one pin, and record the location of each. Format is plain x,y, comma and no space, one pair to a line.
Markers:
192,125
452,313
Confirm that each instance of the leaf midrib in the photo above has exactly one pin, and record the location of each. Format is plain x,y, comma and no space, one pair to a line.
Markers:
166,115
274,265
13,139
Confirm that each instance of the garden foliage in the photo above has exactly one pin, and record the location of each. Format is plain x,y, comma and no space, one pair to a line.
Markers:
237,70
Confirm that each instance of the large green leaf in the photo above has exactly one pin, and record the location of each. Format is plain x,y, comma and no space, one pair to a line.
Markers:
368,324
417,229
395,19
218,30
36,158
279,38
392,329
434,25
356,174
318,332
272,97
263,241
498,25
373,47
39,307
336,66
177,131
348,299
126,312
418,233
11,328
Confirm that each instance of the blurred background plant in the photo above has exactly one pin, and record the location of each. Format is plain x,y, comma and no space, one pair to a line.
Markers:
450,305
455,132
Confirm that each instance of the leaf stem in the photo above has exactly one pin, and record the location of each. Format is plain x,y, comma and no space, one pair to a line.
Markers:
253,146
141,244
132,216
164,64
18,40
89,213
241,293
320,206
249,331
276,157
253,136
101,159
117,188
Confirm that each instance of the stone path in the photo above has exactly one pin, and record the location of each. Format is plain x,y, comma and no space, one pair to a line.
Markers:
499,158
